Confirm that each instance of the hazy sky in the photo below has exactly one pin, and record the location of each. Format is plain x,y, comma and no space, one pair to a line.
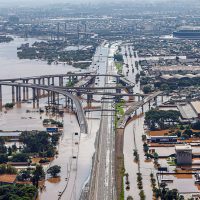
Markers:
63,1
40,2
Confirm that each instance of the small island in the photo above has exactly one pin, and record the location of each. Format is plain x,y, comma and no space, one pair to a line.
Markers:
55,52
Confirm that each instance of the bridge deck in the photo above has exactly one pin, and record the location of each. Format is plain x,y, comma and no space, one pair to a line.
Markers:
79,110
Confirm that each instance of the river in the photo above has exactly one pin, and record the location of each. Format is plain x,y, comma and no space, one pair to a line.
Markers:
12,67
19,119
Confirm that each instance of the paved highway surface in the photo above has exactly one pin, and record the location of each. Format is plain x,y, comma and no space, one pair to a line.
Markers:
102,180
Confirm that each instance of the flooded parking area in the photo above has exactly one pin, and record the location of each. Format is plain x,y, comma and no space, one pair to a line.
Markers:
181,182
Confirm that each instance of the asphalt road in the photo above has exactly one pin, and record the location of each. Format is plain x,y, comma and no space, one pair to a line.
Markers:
103,180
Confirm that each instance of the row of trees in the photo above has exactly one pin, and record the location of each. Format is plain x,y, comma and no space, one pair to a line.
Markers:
118,57
7,169
39,142
53,122
161,118
37,174
166,194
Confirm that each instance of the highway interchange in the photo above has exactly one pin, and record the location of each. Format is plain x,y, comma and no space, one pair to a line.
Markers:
102,178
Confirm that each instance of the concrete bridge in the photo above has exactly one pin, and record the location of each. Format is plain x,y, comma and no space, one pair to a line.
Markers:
61,76
52,91
135,106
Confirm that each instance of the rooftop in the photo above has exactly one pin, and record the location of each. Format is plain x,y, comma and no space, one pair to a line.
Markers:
196,106
8,178
10,134
183,147
193,28
178,76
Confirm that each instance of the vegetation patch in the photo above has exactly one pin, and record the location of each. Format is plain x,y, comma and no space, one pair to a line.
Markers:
18,192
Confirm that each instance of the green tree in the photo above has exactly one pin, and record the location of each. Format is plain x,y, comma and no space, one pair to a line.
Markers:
17,192
14,148
147,89
3,158
38,174
7,169
3,148
164,87
54,170
161,118
24,175
55,139
145,147
20,157
9,151
118,57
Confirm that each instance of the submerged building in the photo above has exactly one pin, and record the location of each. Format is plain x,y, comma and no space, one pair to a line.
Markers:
187,32
183,154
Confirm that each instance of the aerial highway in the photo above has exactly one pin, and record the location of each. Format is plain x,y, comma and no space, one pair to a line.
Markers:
102,185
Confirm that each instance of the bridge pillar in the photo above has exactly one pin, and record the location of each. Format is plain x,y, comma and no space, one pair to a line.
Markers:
19,92
48,81
156,100
27,94
33,97
39,91
24,91
48,98
54,98
72,104
13,94
58,99
51,94
1,99
117,80
78,94
52,80
38,97
149,105
43,83
89,99
34,81
68,101
162,98
61,81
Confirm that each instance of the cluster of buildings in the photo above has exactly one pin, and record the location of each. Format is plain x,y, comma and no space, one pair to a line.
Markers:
190,111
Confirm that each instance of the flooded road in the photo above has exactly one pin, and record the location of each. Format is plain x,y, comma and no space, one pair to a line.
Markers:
133,135
81,147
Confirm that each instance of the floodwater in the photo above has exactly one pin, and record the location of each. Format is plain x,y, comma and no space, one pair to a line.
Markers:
12,67
127,71
76,170
133,138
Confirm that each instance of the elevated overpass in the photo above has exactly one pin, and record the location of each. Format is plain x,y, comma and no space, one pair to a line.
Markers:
79,110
